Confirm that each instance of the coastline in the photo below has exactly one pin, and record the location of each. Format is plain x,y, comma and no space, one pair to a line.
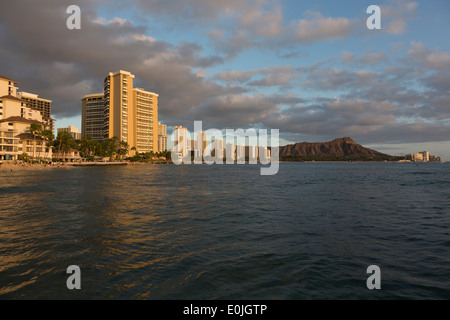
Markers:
11,166
5,167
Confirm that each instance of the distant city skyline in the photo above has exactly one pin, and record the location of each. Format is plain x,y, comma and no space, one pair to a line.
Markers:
311,69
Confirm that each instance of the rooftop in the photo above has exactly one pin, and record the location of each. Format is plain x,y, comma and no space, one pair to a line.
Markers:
93,95
20,119
5,78
12,98
122,72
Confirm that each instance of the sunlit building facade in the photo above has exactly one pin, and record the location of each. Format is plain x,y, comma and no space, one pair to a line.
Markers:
93,116
122,111
16,117
162,137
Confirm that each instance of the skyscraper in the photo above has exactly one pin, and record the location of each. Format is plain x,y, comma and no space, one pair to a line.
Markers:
93,116
200,144
122,111
40,104
162,137
182,145
145,116
119,106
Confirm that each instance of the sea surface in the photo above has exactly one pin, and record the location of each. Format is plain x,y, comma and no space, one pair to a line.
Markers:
226,232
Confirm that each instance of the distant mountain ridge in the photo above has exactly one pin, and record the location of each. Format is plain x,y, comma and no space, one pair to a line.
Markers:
340,149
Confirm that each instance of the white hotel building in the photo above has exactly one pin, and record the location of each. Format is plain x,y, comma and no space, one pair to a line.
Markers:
15,119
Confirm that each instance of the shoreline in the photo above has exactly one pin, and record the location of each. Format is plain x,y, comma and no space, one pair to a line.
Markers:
11,166
96,164
4,167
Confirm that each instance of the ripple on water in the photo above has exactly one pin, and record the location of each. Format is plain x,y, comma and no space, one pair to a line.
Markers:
225,232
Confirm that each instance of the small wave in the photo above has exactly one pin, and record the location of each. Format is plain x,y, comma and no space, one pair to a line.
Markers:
421,173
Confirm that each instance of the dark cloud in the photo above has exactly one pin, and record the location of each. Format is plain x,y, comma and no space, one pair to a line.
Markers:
366,122
63,65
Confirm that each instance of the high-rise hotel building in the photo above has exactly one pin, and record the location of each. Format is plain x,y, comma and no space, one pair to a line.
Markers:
93,116
44,106
162,137
118,88
40,104
122,111
146,120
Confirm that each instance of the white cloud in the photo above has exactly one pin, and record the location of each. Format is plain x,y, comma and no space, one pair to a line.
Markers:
318,27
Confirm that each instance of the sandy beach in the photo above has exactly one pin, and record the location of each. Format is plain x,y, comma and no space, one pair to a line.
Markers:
10,166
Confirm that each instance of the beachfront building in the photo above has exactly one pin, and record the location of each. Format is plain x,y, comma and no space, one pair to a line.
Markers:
8,87
146,123
162,137
118,89
72,130
93,116
16,118
122,111
253,153
217,149
230,152
182,143
44,106
9,145
200,144
70,155
419,156
34,102
240,152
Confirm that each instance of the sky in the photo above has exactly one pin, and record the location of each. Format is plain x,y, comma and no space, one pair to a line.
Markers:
311,69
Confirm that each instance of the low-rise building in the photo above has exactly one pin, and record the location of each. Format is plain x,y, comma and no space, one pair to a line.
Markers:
71,155
72,130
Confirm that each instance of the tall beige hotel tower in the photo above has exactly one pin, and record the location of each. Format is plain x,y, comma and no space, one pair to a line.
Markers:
130,114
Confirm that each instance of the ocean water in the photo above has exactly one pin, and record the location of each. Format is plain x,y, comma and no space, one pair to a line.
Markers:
226,232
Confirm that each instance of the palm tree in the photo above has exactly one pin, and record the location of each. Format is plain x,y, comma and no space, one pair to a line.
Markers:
34,130
123,149
47,135
86,145
110,147
64,141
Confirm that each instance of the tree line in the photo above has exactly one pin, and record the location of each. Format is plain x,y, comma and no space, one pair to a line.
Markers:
89,149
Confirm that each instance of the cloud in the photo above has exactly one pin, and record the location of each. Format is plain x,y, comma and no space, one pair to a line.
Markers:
235,110
396,16
63,65
262,27
370,59
262,22
365,121
316,27
439,82
422,56
378,99
338,79
266,77
194,11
